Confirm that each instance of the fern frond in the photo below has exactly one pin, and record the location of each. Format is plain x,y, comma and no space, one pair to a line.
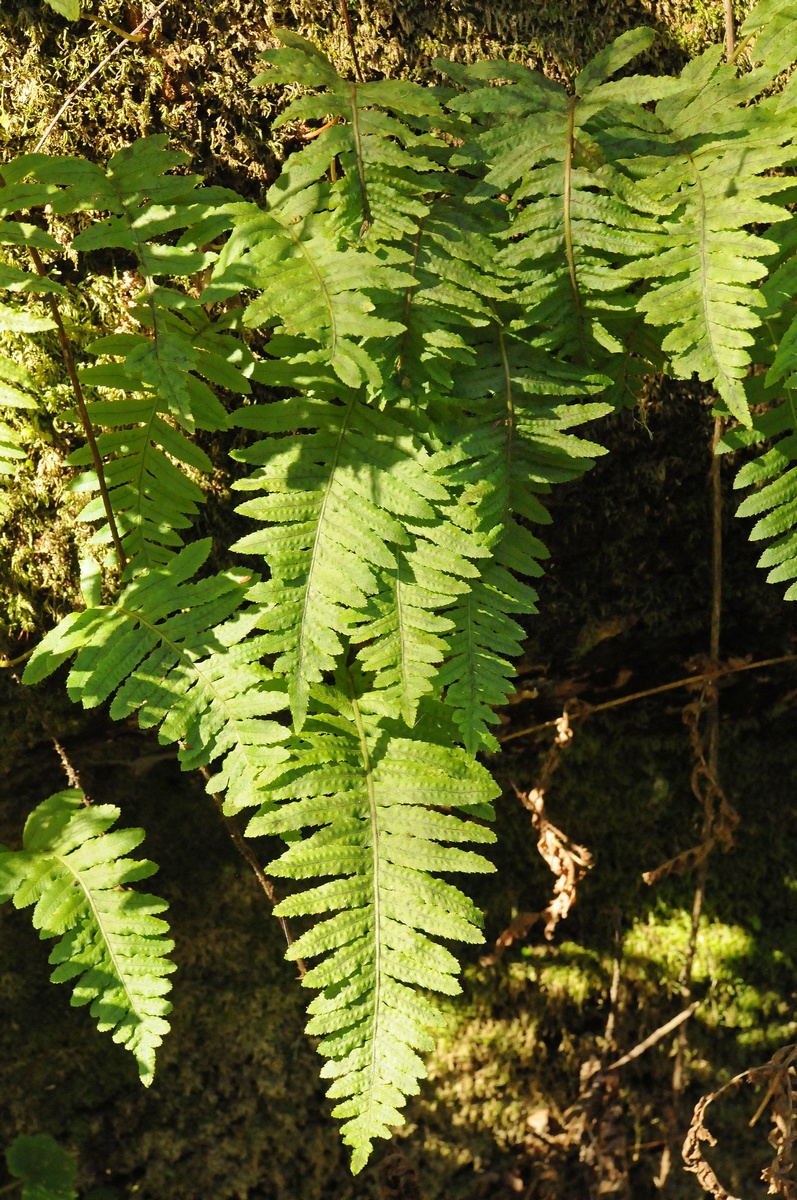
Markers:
512,448
310,285
703,279
574,219
352,519
164,371
374,800
380,133
179,653
111,940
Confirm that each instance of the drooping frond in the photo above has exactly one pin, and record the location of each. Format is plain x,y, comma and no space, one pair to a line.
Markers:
354,539
163,370
112,943
380,132
509,449
703,280
374,799
178,653
574,219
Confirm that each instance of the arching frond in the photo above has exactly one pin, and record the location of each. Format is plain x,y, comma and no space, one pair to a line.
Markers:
112,943
178,653
374,800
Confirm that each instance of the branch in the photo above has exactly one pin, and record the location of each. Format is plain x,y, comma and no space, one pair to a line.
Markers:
654,1037
589,709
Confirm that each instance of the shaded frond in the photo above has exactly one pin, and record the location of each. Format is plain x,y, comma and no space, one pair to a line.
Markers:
112,943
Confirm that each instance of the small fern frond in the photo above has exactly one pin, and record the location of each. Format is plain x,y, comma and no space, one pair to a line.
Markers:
375,801
179,653
380,132
573,218
163,371
17,388
512,448
703,279
111,940
309,286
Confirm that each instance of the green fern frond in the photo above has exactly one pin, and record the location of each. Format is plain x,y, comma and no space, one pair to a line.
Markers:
310,285
352,517
703,278
499,460
111,940
163,371
16,392
375,800
179,653
380,133
574,219
773,26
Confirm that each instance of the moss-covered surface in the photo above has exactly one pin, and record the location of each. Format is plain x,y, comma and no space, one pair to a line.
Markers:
237,1109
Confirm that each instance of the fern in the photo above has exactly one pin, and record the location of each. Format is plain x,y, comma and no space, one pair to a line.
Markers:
318,289
381,132
368,793
165,370
111,941
177,652
343,533
703,277
512,447
17,387
574,219
445,285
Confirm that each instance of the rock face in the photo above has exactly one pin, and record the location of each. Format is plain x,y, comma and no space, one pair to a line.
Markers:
512,1107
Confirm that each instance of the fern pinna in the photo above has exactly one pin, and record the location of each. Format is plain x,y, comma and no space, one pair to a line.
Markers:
408,334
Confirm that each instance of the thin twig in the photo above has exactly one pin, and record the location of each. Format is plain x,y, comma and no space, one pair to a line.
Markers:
719,673
93,74
344,8
72,775
66,351
247,853
655,1037
14,662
